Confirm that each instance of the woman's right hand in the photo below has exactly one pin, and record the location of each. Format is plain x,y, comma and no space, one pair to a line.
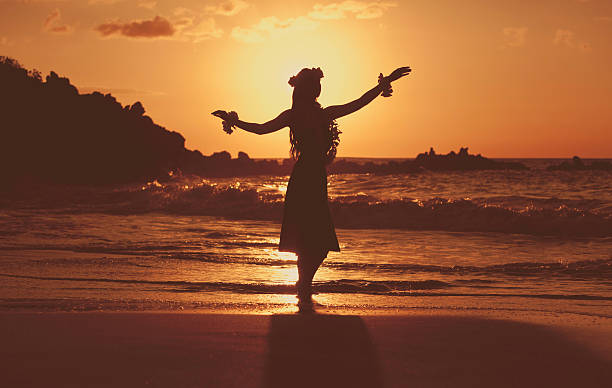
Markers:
229,119
223,115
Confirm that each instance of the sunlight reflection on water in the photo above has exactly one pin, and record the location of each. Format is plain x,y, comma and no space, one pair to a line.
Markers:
159,259
284,274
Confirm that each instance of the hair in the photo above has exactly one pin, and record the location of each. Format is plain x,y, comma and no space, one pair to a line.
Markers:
306,89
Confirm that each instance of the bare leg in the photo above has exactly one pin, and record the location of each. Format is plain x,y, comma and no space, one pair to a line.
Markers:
307,267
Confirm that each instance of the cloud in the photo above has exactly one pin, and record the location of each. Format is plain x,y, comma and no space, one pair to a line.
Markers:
184,25
155,28
272,26
567,38
4,41
360,9
54,25
182,11
63,29
184,18
603,19
227,7
203,30
104,1
193,26
147,4
33,1
514,36
54,16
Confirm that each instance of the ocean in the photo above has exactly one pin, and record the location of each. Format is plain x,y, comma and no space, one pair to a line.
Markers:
533,240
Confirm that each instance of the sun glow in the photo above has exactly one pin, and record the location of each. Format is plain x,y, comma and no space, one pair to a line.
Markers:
264,83
470,86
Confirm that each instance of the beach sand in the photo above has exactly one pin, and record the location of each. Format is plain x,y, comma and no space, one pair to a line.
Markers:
421,349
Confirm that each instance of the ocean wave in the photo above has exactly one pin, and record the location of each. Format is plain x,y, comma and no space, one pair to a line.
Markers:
552,216
148,255
585,269
333,286
421,288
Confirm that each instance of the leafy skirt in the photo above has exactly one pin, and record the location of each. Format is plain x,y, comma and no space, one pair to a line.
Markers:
307,224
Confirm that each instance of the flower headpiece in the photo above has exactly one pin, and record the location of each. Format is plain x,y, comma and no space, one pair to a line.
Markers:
305,75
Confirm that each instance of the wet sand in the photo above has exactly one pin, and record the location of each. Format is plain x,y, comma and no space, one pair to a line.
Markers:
290,350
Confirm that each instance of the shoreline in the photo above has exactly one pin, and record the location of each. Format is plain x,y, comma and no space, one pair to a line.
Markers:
513,307
208,349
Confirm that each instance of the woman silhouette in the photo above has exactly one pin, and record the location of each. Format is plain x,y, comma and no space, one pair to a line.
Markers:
307,228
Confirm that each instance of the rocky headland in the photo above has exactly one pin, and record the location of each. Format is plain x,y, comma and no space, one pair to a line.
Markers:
53,134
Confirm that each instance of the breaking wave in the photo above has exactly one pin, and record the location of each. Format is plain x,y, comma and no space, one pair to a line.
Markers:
553,216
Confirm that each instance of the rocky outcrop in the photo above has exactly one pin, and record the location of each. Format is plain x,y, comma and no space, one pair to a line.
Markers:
462,161
576,164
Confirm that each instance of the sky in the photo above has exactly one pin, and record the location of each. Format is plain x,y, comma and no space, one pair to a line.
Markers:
511,78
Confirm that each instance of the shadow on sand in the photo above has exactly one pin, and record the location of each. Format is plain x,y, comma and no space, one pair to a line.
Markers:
316,350
460,351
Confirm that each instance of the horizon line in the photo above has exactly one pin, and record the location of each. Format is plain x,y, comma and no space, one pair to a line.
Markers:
414,157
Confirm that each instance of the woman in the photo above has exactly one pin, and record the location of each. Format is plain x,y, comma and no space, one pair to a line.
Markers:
307,228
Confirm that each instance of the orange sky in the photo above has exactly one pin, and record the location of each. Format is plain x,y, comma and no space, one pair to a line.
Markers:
514,78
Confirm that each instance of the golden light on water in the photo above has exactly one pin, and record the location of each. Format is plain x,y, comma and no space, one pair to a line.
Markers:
280,187
286,255
287,273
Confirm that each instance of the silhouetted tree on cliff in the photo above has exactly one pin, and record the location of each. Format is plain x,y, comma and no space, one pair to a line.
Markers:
52,133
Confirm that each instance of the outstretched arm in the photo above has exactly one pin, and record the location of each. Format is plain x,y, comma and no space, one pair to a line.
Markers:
281,121
336,111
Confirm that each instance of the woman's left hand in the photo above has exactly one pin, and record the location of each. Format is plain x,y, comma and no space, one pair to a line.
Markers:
385,82
398,73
